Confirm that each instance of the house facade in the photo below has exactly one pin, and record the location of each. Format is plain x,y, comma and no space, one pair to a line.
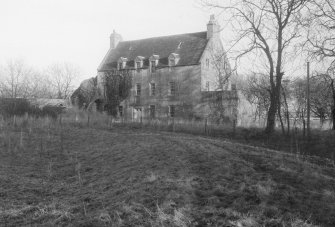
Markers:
182,76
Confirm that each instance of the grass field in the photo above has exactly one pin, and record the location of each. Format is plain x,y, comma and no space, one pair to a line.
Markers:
81,176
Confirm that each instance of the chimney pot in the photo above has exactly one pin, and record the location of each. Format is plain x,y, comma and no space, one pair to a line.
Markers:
213,28
115,38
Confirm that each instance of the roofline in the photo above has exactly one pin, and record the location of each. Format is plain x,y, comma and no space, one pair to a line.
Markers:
104,59
161,67
161,36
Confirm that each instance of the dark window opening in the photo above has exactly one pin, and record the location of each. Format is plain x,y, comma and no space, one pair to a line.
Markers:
152,110
171,62
138,66
138,89
121,111
172,110
152,89
120,65
172,90
153,66
207,85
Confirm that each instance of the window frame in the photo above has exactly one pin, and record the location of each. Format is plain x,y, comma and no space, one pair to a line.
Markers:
172,62
207,62
138,89
172,111
121,111
153,65
152,86
120,65
152,111
172,88
138,65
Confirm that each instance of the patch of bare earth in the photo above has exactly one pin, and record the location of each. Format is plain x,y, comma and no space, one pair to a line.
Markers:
122,177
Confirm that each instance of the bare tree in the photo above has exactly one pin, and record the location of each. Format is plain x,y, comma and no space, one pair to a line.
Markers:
14,81
61,77
221,67
330,81
321,40
321,29
300,102
266,28
222,104
257,92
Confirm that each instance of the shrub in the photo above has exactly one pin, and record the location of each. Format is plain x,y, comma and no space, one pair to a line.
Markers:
52,111
10,106
18,107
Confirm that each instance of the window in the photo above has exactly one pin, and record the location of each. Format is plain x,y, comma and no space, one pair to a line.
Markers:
138,65
120,65
172,89
153,62
172,110
120,111
152,89
152,110
207,86
207,62
138,89
153,66
173,59
171,62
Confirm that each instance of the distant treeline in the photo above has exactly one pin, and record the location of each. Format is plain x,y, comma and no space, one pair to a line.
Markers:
18,107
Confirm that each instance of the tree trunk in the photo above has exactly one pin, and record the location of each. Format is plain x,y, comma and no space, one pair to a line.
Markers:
333,110
281,120
271,118
287,114
274,102
333,116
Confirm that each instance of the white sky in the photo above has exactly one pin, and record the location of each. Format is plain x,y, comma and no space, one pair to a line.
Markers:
42,32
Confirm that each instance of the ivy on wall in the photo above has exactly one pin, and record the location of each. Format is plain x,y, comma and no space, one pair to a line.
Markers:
118,86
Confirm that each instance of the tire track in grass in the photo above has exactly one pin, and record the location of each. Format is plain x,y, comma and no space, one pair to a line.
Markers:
207,164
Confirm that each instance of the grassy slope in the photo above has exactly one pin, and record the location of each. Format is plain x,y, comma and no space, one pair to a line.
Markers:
128,177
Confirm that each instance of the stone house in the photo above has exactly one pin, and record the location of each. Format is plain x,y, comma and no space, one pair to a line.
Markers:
181,76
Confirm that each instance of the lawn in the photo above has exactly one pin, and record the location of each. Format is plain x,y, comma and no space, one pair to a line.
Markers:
85,176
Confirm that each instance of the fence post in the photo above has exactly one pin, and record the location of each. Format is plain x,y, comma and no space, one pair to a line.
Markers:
173,124
14,120
60,119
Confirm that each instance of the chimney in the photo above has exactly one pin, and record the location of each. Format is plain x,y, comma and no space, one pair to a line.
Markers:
115,39
213,28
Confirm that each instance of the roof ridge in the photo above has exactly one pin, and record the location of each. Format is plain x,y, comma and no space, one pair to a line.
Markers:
190,51
164,36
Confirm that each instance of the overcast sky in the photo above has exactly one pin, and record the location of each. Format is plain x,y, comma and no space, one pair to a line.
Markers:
43,32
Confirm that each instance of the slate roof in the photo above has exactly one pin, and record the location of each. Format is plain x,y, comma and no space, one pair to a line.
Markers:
189,46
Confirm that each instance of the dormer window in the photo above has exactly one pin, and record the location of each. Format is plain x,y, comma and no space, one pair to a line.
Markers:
172,62
153,62
153,66
121,64
138,62
173,59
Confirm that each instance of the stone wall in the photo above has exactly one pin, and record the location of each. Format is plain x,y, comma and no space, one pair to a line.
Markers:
185,100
